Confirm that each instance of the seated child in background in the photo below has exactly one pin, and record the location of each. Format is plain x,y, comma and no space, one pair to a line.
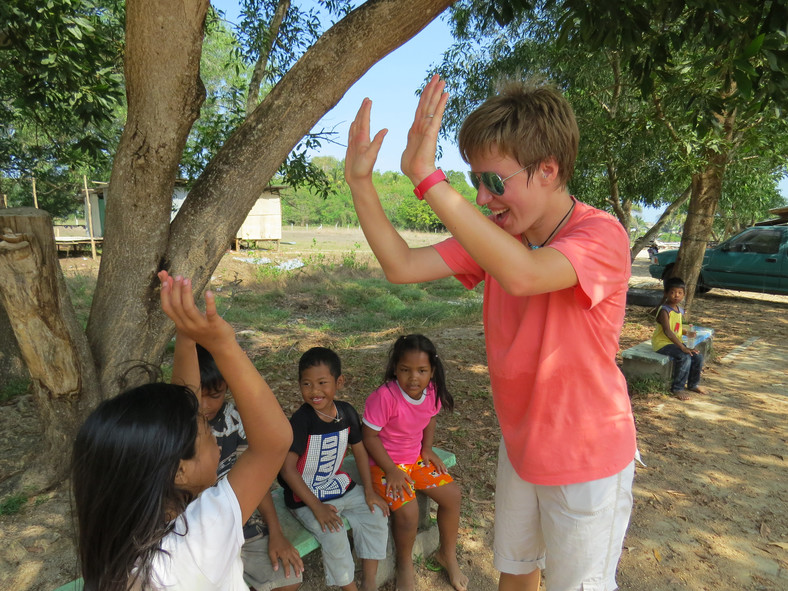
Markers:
317,489
666,340
265,550
399,426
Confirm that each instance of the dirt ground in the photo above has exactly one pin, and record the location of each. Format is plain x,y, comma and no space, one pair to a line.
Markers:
710,507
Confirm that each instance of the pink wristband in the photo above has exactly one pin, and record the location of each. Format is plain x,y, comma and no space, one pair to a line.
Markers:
429,182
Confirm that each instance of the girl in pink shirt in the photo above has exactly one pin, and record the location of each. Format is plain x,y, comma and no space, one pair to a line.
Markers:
399,426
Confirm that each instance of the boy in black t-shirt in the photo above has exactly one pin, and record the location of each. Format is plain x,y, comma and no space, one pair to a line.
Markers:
317,489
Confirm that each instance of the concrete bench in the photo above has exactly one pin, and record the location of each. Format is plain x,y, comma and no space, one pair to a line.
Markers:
642,361
305,542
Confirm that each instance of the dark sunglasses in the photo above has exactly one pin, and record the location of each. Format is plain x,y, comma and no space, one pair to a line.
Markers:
491,180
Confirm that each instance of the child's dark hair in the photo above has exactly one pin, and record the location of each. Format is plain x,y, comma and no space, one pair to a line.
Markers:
211,378
672,282
418,342
320,356
125,459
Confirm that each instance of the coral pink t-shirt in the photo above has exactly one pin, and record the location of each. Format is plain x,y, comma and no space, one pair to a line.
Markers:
561,400
400,420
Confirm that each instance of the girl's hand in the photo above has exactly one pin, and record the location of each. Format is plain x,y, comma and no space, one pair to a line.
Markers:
430,456
328,517
375,500
361,153
399,485
418,159
177,302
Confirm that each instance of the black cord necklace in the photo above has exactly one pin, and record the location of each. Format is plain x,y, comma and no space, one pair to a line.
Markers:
550,237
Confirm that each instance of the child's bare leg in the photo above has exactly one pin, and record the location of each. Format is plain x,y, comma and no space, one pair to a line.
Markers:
349,587
448,498
529,582
369,572
406,521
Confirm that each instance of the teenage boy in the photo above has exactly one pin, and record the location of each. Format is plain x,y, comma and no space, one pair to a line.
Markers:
555,272
316,488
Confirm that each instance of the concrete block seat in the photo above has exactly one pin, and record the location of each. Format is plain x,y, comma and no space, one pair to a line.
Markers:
305,542
642,361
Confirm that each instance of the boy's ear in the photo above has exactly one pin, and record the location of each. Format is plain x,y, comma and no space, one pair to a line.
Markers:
340,382
548,170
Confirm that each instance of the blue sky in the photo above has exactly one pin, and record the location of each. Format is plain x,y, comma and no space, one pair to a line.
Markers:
392,84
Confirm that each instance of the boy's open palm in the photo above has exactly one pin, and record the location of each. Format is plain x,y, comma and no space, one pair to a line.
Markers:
418,159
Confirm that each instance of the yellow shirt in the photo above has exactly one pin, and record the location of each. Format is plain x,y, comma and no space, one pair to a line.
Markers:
675,320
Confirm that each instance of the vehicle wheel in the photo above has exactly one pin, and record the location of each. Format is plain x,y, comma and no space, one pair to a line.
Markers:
701,287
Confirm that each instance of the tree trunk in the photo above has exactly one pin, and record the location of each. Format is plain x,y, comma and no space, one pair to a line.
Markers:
12,367
50,338
654,230
125,321
706,192
164,91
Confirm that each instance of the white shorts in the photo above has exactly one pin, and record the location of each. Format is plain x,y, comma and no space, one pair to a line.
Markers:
575,532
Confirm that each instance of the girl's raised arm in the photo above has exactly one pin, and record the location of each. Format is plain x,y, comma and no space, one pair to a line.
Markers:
185,365
268,431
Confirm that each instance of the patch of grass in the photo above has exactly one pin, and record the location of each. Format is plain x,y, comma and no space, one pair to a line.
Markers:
80,288
13,389
13,504
645,386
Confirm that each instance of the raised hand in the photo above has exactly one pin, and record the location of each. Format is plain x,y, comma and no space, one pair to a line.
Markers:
418,159
361,152
177,301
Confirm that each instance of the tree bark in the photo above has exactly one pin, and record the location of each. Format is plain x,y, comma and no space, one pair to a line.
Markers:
50,338
164,91
125,322
12,367
706,191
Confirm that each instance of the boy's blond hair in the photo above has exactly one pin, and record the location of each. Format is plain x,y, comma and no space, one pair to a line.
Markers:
529,121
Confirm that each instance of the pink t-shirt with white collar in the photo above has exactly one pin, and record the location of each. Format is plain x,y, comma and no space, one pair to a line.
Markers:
400,420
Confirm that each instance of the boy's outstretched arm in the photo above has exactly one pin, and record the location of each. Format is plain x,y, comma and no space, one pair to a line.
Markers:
520,270
268,431
400,262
